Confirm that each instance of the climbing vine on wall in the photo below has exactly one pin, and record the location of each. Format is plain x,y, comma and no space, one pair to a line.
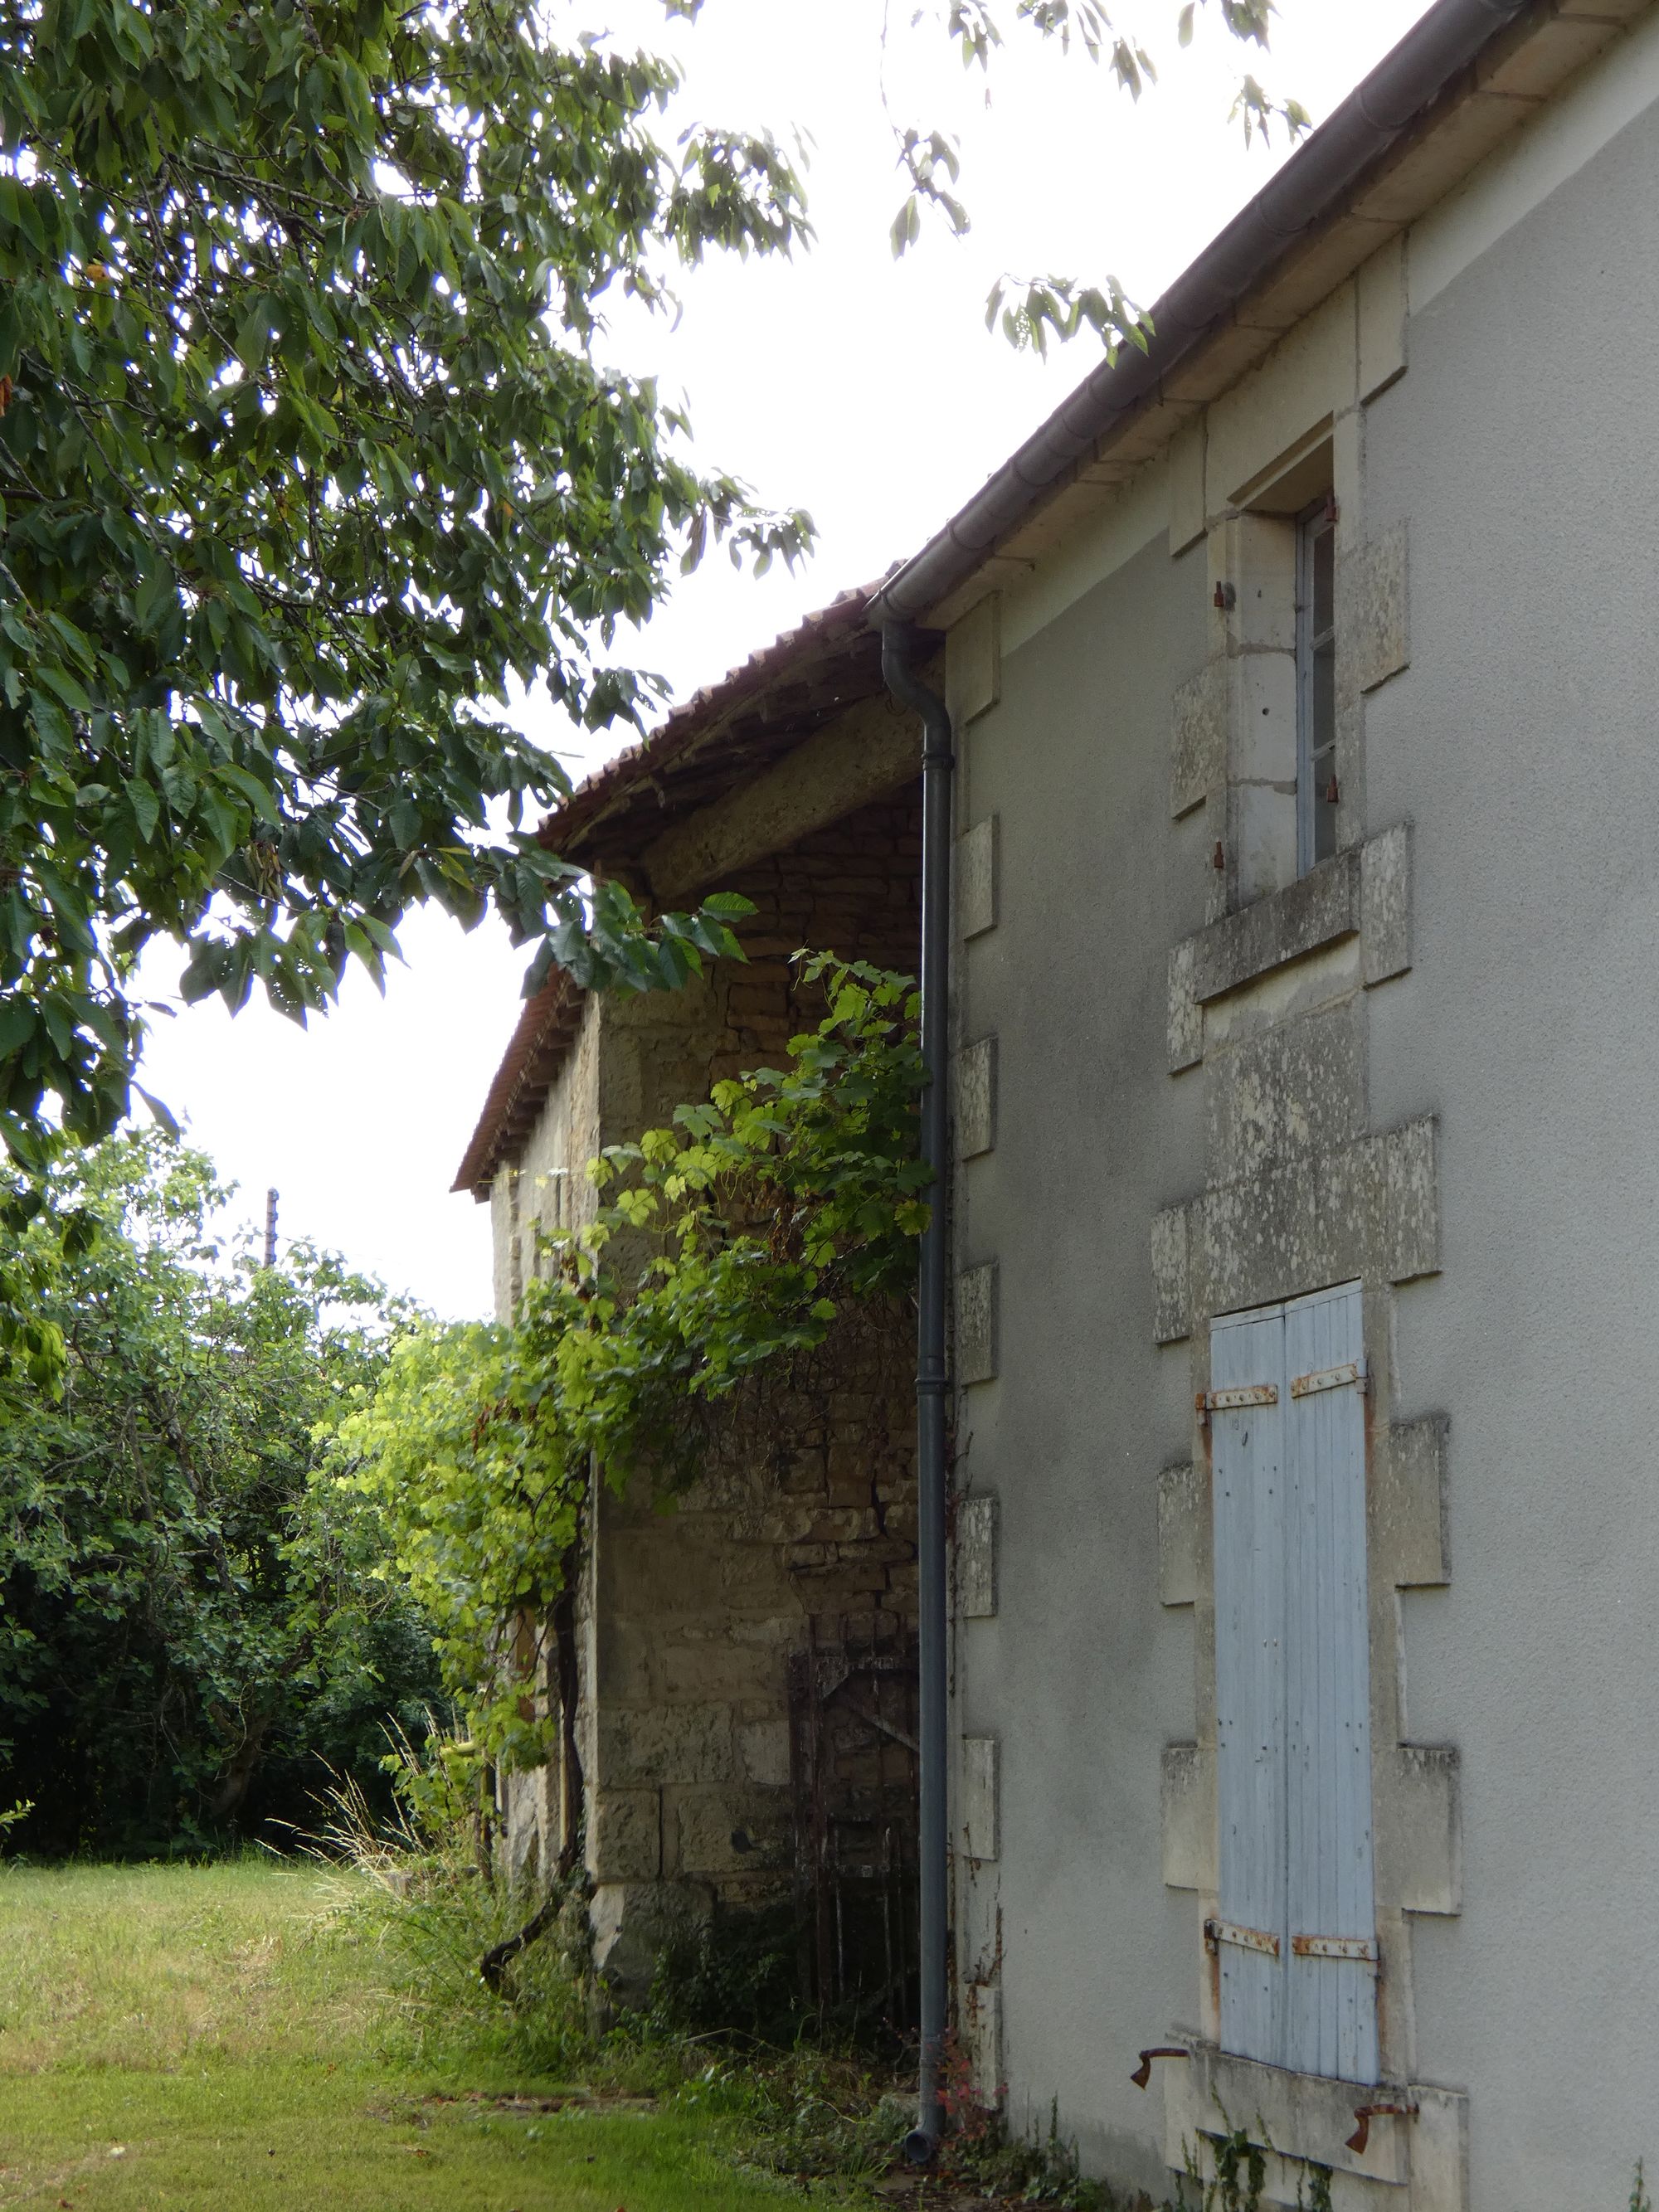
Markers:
721,1245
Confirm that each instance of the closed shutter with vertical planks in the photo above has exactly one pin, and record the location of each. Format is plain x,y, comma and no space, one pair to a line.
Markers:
1247,1447
1330,2001
1293,1688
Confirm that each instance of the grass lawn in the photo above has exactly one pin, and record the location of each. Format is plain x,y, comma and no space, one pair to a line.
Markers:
176,2039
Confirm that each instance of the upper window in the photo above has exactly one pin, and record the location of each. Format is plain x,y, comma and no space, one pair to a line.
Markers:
1316,685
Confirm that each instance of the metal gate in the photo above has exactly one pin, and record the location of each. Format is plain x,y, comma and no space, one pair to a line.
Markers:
853,1767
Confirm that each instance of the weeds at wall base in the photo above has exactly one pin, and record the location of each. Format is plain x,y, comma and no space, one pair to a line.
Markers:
782,2095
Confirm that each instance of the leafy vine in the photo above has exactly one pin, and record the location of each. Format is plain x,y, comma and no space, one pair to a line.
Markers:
721,1246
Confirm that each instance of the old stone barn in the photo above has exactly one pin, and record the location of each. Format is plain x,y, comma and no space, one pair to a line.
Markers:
741,1673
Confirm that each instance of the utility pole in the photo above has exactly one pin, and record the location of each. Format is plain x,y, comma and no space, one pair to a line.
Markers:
270,1229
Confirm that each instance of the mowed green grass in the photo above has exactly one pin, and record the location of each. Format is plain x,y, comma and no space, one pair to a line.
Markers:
177,2039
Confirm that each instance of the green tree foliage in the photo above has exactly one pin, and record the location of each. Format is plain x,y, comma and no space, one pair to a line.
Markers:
1034,310
187,1629
720,1245
306,462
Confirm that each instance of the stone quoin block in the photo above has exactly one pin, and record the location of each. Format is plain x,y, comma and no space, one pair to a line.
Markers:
985,2041
976,1324
1187,1817
981,1780
1172,1303
1385,904
1179,1492
1411,1543
1185,1032
1198,738
1420,1830
1413,1229
1380,301
973,662
625,1835
976,1557
1187,507
1377,609
976,1099
976,879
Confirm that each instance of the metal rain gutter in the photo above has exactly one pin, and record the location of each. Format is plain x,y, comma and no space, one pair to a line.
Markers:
1311,185
899,648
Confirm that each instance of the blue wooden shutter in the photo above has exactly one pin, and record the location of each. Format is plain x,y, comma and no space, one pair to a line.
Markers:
1295,1929
1246,1447
1330,2010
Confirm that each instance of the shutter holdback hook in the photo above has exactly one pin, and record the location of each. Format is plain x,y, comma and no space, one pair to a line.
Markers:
1366,2113
1143,2073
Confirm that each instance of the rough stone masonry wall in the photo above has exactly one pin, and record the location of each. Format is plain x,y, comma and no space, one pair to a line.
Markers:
802,1529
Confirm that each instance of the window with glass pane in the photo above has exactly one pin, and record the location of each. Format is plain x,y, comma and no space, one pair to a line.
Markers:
1315,671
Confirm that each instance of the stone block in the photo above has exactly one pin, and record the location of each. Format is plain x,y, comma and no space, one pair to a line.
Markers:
1315,910
624,1835
1377,609
1179,1496
976,879
1257,1240
1439,2149
1385,904
628,1655
976,1557
671,1568
1380,286
1260,558
632,1920
1261,840
1185,1033
666,1743
976,1324
973,662
1351,1200
1187,1817
763,1751
1420,1830
985,2041
1188,508
714,1664
1198,740
1285,1092
803,1471
710,1833
1172,1298
1413,1224
1412,1541
980,1760
976,1099
1264,749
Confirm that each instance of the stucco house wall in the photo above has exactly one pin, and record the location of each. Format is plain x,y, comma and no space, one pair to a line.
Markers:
1478,400
1521,743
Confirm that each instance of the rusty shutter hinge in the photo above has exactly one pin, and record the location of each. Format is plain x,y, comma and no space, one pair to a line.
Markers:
1218,1932
1329,1378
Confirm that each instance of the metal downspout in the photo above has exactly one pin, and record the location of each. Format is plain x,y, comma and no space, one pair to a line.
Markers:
898,649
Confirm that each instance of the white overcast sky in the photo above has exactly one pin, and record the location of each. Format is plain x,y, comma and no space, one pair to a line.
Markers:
867,391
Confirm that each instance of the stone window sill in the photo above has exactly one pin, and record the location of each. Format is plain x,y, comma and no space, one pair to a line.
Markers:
1365,890
1308,2117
